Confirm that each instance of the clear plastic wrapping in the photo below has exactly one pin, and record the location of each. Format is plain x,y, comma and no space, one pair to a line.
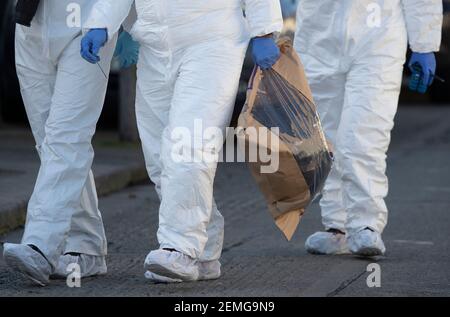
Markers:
279,104
280,100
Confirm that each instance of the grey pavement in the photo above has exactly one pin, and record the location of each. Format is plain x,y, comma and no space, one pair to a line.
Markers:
258,261
116,165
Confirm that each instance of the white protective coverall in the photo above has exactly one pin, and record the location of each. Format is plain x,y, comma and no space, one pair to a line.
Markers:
354,53
63,97
189,67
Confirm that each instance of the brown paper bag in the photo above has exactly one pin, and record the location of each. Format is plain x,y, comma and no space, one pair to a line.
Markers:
281,98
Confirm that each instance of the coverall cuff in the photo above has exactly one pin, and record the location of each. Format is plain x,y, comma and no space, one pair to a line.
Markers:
274,28
88,248
111,35
425,49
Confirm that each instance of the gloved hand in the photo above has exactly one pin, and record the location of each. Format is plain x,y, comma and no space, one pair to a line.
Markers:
265,52
91,44
423,68
127,50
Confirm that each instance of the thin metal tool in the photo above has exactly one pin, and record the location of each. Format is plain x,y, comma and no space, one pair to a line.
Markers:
442,80
104,74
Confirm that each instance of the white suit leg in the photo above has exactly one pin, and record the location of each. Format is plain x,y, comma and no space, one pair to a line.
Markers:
372,93
328,88
87,233
154,96
215,232
154,93
66,152
37,76
205,92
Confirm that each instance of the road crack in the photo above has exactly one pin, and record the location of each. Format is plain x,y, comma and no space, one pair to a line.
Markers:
345,284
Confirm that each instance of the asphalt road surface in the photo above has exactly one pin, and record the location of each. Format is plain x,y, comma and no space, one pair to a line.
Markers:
257,261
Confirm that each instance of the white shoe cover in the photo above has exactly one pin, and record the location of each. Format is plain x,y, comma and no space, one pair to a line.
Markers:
207,271
30,263
172,264
155,278
366,243
327,243
90,265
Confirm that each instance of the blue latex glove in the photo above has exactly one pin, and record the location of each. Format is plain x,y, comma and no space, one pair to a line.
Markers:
265,52
91,44
127,50
423,68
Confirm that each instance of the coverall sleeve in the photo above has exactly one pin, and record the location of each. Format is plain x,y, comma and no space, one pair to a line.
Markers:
424,24
108,14
263,16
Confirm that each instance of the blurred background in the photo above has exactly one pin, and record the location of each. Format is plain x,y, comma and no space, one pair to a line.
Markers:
118,114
